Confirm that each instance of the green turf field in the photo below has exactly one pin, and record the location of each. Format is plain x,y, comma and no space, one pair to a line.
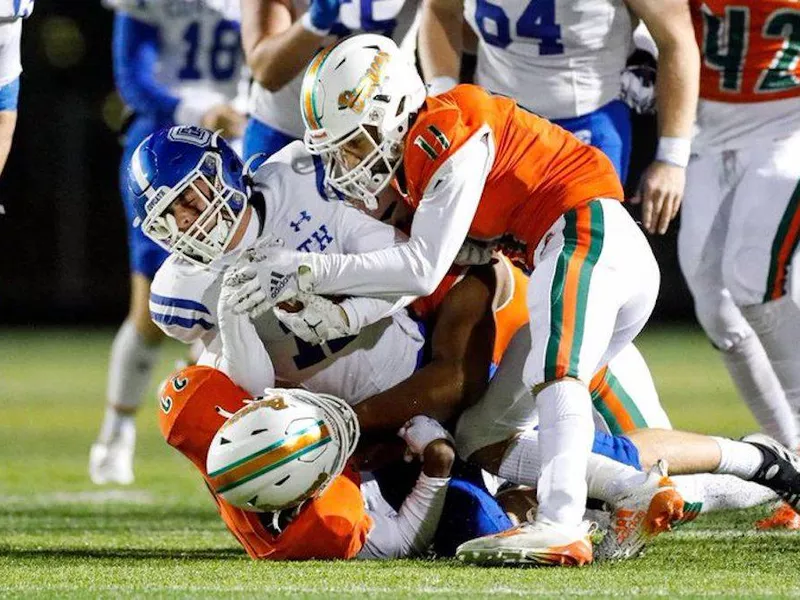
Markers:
62,537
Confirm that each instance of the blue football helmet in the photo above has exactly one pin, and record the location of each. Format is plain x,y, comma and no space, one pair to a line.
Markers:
173,160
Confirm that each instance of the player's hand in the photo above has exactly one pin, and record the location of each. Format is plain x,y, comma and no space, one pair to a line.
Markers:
421,431
472,253
324,13
639,88
226,118
317,321
660,193
266,275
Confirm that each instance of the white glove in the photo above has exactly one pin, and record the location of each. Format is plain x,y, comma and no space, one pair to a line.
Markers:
472,253
419,432
266,275
318,321
639,88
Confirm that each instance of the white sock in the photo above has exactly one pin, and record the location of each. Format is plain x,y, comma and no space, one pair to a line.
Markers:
113,424
754,377
605,477
738,458
706,492
130,367
566,434
777,324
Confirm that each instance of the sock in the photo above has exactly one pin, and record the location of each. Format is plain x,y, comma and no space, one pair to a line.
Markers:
566,434
737,458
754,377
130,367
605,477
706,492
777,324
113,423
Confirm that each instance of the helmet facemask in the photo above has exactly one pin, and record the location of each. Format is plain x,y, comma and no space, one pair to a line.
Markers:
209,235
363,174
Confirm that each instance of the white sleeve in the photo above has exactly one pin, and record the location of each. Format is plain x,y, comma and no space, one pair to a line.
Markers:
410,530
364,233
238,352
15,9
10,63
440,226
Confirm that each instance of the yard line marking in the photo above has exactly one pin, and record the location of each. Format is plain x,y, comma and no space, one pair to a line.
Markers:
85,497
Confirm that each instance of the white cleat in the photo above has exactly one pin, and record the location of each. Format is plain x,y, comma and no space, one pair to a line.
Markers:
640,514
112,462
536,543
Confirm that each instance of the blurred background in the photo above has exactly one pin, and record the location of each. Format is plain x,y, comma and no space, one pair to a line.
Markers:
63,257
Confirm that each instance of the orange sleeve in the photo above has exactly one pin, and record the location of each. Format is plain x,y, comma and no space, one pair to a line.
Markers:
425,308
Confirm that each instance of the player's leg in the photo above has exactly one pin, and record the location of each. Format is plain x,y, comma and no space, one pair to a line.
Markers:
763,238
624,395
261,138
704,228
133,353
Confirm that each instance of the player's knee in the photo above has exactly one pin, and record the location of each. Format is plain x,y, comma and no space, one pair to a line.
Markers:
745,284
721,319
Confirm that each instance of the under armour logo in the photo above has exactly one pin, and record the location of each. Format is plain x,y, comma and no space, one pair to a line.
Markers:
304,216
277,282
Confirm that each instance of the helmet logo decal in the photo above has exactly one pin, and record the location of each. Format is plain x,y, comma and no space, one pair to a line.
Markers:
166,404
356,98
179,383
190,134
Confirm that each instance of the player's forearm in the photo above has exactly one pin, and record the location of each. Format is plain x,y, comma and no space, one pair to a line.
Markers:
362,312
410,531
677,86
277,59
441,38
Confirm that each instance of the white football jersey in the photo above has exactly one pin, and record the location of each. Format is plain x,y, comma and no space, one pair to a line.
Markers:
11,14
201,52
281,110
183,299
557,58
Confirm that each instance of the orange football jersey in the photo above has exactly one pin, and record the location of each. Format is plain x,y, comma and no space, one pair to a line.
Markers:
540,171
334,525
508,319
750,49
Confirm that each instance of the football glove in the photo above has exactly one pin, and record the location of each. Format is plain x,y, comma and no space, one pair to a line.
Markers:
473,253
318,321
638,88
419,432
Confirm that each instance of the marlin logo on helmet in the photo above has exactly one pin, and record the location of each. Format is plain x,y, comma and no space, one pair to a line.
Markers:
356,98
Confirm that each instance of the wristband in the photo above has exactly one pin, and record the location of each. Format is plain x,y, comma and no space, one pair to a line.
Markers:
305,21
441,84
674,151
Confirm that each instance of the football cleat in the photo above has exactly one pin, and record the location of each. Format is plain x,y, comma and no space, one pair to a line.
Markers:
784,517
112,462
780,469
640,514
537,543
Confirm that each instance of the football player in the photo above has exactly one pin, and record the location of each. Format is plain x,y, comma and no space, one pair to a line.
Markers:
184,216
11,14
348,519
478,165
562,60
281,36
739,227
174,62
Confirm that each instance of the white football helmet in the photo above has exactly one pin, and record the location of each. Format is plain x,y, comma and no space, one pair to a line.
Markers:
281,449
360,92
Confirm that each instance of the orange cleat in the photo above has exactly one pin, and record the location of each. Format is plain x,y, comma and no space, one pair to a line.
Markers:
784,517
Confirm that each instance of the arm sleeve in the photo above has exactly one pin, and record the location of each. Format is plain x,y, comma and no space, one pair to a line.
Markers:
366,234
15,9
410,530
239,353
440,226
135,50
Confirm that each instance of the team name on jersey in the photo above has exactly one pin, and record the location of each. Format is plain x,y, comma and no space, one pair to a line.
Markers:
320,237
